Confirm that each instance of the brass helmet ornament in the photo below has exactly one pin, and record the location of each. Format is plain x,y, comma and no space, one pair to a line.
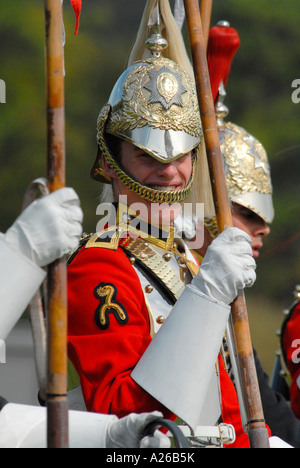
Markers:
154,106
246,165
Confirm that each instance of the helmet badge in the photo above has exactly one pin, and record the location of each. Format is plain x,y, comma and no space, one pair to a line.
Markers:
165,87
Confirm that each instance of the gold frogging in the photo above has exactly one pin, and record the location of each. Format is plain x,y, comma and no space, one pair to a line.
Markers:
107,294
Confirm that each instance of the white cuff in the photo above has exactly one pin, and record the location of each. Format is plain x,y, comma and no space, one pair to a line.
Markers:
178,367
195,290
24,426
19,280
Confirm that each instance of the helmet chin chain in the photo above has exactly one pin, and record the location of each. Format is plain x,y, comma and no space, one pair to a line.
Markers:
147,193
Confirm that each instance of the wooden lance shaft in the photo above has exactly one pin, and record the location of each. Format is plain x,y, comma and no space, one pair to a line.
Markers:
205,15
257,432
57,403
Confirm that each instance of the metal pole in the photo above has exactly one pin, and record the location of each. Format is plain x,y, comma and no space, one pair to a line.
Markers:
257,432
205,14
56,402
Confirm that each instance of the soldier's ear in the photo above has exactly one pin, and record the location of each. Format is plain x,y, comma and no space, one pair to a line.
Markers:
106,167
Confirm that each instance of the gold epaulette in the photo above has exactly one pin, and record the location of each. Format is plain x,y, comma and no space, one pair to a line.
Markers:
108,239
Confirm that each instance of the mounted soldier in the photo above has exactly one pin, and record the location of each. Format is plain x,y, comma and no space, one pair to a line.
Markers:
144,345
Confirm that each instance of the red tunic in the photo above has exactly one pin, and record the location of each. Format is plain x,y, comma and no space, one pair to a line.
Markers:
105,353
291,349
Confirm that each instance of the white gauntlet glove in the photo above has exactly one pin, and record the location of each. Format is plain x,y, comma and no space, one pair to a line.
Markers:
126,432
49,228
228,266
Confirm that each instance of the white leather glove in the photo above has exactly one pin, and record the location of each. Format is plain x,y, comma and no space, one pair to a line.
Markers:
126,432
49,228
228,266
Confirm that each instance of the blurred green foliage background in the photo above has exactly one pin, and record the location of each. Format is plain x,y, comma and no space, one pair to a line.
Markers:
259,94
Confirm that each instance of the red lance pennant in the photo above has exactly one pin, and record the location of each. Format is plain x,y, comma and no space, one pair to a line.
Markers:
76,4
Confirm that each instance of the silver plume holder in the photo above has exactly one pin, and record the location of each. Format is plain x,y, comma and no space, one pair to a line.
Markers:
156,43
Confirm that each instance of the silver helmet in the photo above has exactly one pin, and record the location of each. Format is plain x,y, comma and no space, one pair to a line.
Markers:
246,165
154,106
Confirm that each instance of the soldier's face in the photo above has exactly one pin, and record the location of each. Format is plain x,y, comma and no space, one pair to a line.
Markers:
172,176
252,224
